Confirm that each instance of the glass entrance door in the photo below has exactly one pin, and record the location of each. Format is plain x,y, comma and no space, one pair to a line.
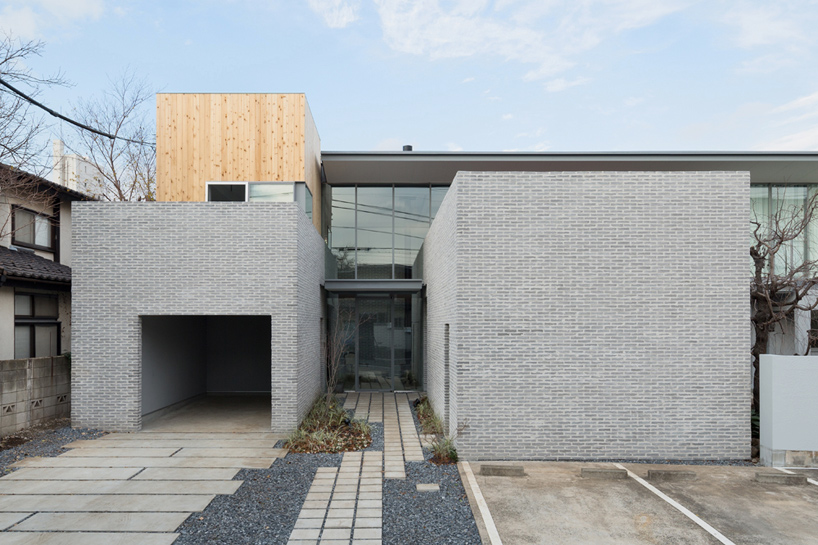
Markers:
375,343
381,342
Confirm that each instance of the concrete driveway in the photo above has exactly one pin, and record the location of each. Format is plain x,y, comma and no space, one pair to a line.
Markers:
553,503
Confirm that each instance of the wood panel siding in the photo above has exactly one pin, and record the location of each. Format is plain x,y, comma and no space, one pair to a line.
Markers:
234,137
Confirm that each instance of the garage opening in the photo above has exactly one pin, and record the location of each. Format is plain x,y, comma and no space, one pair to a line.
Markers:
203,370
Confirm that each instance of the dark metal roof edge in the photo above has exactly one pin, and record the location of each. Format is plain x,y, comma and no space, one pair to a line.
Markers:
630,155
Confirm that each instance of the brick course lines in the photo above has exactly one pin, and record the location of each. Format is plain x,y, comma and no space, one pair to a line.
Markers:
591,314
137,259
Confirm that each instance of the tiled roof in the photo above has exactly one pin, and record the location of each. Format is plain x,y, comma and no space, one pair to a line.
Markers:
22,264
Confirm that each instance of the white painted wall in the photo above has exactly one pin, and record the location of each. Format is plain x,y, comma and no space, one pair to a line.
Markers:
238,354
173,360
6,323
789,403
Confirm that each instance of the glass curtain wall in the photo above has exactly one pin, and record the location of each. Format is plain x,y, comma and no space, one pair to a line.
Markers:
780,204
375,232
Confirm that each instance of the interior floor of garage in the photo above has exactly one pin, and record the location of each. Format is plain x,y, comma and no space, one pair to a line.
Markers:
214,413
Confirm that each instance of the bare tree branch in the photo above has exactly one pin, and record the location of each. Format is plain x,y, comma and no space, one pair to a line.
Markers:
126,170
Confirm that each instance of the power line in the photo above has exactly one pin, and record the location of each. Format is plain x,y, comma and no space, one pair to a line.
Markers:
69,120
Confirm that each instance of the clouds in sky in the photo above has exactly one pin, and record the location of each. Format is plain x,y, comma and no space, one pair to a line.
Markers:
336,13
30,19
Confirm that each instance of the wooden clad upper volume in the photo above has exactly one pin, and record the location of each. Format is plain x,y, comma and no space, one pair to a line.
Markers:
234,138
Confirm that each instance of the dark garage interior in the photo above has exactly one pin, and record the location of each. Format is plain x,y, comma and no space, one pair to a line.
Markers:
185,357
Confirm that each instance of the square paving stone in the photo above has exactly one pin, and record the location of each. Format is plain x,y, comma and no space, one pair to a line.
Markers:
305,533
336,533
338,523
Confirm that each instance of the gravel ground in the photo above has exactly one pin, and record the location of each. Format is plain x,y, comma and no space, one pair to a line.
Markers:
428,518
263,510
376,431
45,440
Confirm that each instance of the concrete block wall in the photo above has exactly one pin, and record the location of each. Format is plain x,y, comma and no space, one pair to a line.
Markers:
599,314
144,259
32,391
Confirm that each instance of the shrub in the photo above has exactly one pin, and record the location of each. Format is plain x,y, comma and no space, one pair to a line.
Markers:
328,428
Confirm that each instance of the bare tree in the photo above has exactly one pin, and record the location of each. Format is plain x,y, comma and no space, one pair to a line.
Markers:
784,271
22,127
342,331
126,166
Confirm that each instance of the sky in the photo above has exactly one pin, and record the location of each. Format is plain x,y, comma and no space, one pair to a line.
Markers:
463,75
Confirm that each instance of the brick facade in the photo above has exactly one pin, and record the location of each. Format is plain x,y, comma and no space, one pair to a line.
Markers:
592,314
140,259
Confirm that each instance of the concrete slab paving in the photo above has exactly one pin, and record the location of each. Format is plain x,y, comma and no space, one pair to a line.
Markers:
119,487
214,414
86,538
175,443
70,474
120,452
227,452
105,503
745,511
60,461
187,474
553,504
9,519
191,436
102,522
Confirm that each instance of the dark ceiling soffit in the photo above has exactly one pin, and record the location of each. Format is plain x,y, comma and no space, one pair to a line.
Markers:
373,286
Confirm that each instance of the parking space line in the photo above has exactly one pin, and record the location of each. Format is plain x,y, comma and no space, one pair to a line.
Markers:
494,536
788,472
707,528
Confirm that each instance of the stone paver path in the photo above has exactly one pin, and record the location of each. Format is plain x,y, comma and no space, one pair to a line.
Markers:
124,489
345,505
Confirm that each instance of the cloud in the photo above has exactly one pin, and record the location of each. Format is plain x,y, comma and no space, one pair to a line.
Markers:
765,64
451,146
336,13
547,34
806,140
467,80
561,84
506,117
30,19
808,101
773,23
630,102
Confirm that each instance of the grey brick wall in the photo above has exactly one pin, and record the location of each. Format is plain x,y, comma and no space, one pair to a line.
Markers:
596,313
136,259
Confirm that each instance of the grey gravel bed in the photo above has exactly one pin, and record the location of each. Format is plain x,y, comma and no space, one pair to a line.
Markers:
263,510
48,443
428,518
376,431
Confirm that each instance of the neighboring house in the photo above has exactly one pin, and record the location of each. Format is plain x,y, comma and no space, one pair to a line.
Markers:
35,266
563,305
75,171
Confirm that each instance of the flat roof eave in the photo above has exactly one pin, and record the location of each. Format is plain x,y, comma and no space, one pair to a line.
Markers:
345,167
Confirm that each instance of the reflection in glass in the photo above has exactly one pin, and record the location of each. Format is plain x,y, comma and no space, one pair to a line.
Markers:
374,240
437,197
225,193
411,225
341,234
374,344
271,192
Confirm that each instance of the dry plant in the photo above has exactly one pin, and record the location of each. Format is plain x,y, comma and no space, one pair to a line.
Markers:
783,273
343,329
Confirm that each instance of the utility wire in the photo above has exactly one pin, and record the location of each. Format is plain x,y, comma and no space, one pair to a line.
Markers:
69,120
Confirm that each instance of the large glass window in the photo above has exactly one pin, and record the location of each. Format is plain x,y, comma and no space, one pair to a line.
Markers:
375,232
411,226
342,235
784,205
